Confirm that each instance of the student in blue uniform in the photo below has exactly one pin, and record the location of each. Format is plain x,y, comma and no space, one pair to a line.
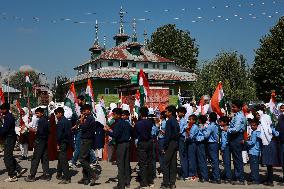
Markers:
40,149
171,147
122,134
63,136
7,132
253,146
280,128
211,137
225,150
201,154
183,152
236,136
161,141
191,134
143,128
87,125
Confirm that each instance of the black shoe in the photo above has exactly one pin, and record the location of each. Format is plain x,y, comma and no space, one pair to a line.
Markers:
59,176
268,183
180,178
165,187
227,181
173,186
215,181
45,177
81,181
23,158
21,172
202,180
65,181
252,183
86,182
238,183
30,179
93,182
127,186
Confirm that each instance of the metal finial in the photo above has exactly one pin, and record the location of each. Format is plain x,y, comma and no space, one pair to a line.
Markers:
121,13
104,42
134,39
97,29
145,37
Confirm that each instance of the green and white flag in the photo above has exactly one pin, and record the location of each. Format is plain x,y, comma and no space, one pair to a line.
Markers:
71,100
90,95
143,88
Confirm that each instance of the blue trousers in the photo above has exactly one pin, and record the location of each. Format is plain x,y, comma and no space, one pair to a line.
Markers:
236,150
227,163
183,157
77,150
161,143
282,156
191,151
202,162
213,151
254,167
154,157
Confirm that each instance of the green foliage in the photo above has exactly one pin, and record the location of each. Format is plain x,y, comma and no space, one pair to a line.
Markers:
110,98
173,100
175,44
268,69
18,80
229,68
60,89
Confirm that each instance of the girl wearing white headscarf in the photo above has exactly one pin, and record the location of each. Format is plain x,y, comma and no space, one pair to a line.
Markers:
269,150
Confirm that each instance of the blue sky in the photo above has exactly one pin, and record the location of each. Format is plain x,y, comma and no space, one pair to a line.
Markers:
43,34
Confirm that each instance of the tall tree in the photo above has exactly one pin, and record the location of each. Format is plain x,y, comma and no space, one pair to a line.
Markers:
268,69
231,69
175,44
59,88
18,79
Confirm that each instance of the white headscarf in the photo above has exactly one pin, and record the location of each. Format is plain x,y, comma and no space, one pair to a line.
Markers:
265,128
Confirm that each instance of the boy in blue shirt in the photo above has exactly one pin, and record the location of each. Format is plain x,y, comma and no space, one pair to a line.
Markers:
225,149
182,143
191,134
211,137
253,145
201,154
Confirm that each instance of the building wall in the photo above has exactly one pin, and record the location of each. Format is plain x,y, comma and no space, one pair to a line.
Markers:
100,86
182,85
131,64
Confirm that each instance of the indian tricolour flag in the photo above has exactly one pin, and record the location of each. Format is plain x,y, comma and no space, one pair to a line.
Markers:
217,100
71,100
272,102
2,98
90,95
28,81
137,102
143,88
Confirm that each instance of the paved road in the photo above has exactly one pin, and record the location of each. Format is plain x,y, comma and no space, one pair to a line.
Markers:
106,179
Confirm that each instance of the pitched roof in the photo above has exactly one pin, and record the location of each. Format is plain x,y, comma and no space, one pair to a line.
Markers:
126,73
121,52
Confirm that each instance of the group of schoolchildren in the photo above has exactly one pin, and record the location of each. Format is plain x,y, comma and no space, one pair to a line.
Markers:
197,138
202,137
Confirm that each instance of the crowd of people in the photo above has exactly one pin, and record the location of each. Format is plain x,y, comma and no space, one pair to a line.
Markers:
196,139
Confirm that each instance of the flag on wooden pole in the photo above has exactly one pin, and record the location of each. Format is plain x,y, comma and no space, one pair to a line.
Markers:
71,100
143,88
217,100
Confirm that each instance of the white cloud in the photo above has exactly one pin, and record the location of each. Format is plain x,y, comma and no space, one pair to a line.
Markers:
25,68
